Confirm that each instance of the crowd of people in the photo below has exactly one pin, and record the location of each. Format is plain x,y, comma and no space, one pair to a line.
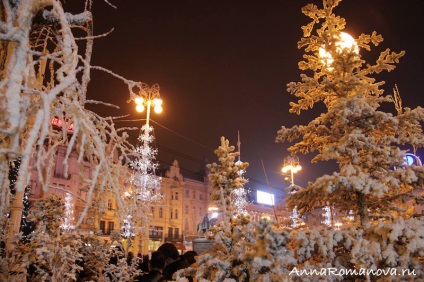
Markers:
164,262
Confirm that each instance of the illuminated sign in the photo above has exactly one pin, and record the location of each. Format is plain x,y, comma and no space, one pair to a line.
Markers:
264,198
59,123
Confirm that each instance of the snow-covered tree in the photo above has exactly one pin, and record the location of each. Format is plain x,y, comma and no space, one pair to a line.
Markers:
44,77
368,144
396,247
244,250
48,256
225,177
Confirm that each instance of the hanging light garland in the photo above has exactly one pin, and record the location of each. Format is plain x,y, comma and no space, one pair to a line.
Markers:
145,182
67,221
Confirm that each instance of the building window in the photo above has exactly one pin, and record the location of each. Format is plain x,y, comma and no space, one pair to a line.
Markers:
176,196
156,231
59,169
186,209
103,227
170,232
109,205
187,193
160,212
194,194
201,197
200,211
176,232
176,214
152,210
172,214
109,229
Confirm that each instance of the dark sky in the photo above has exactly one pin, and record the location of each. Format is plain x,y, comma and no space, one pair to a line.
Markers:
223,66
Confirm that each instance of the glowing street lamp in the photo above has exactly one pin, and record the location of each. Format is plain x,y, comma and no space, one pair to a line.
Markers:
148,98
291,163
344,43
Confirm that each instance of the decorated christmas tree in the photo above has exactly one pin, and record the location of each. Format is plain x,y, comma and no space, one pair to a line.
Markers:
226,177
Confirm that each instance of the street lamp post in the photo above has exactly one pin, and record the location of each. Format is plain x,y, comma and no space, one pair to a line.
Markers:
292,164
144,179
148,97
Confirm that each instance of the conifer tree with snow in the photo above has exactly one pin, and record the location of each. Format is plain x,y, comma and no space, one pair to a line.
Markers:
225,177
244,250
368,144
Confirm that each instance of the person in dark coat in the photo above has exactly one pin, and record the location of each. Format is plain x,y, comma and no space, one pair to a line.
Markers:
156,265
173,261
190,256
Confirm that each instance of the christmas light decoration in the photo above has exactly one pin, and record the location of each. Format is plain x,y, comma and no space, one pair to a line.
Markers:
294,216
67,222
327,216
25,227
239,194
146,185
351,217
127,229
239,198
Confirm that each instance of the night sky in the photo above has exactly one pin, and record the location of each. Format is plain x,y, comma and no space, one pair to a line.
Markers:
223,66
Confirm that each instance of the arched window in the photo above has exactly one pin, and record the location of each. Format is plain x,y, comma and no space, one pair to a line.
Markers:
176,214
160,212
